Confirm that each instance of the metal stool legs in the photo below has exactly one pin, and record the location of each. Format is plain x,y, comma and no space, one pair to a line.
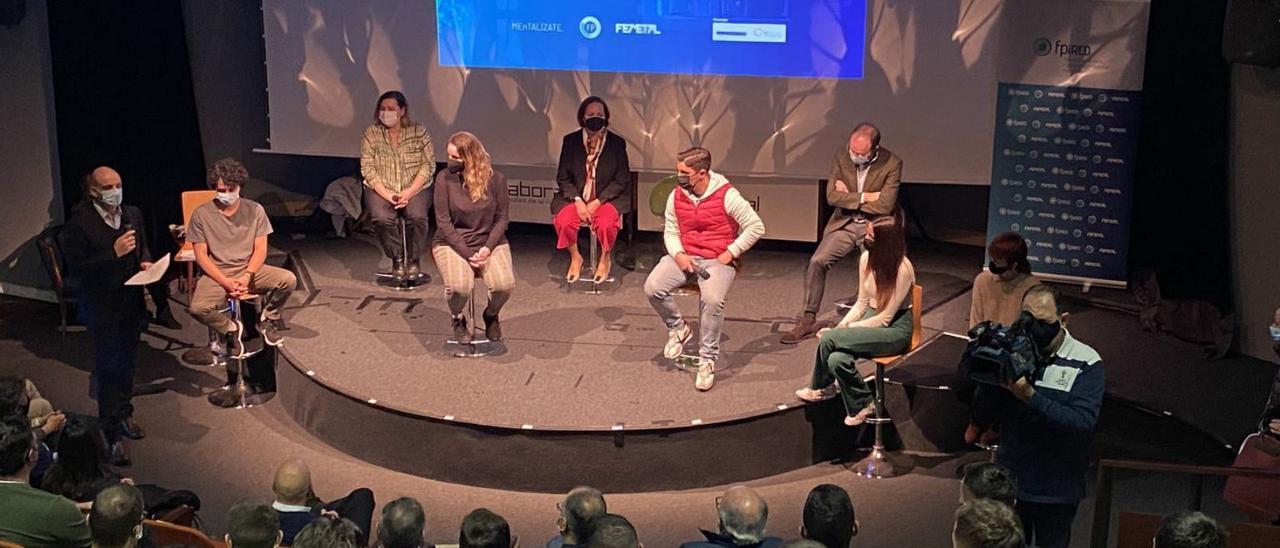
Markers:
238,395
880,463
594,253
408,283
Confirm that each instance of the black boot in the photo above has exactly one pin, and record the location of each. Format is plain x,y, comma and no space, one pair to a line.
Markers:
397,269
461,333
164,318
412,271
492,329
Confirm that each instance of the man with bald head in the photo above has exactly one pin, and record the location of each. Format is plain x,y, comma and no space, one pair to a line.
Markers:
863,185
743,516
1047,422
104,244
297,504
578,512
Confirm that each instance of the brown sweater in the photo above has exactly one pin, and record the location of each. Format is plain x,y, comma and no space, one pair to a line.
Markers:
997,300
464,225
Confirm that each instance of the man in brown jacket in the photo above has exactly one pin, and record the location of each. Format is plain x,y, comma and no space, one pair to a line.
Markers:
863,185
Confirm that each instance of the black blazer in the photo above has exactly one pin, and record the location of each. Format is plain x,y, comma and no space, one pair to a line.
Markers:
88,245
613,172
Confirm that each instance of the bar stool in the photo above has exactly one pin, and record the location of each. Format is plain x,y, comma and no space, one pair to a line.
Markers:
238,395
479,346
595,251
408,283
880,463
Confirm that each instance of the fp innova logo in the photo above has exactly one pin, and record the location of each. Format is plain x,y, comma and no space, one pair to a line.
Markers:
589,27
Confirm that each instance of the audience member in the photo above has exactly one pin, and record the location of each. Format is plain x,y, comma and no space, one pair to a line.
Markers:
297,504
828,517
986,524
1190,530
803,543
484,529
253,524
613,531
16,400
28,516
402,524
116,518
328,532
743,516
988,480
577,512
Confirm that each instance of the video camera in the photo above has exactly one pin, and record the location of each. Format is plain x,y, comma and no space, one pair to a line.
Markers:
999,354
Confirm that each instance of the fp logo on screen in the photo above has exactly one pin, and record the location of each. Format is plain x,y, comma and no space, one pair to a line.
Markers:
589,27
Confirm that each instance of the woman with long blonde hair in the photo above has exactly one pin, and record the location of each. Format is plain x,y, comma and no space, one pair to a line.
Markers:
471,233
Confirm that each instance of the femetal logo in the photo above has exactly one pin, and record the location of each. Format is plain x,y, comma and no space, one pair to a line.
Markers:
637,28
1044,46
589,27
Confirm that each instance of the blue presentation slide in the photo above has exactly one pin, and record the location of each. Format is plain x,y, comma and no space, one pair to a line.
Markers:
769,38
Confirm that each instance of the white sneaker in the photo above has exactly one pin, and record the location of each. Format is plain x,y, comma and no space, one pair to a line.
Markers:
818,394
675,341
706,375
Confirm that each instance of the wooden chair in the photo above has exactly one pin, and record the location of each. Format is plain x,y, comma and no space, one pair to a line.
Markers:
64,287
191,200
879,464
7,544
168,534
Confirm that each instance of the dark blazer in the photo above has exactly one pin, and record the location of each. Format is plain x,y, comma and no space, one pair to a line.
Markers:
88,245
613,172
884,176
717,540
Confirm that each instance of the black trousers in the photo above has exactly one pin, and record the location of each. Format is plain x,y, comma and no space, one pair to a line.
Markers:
1046,525
357,507
386,223
115,349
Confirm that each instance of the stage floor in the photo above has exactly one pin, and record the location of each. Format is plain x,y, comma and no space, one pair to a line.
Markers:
573,361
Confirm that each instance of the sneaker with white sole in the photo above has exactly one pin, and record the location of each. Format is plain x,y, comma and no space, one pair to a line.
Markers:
818,394
675,341
706,375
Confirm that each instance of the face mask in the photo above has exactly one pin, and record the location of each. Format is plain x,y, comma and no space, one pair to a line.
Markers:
111,197
684,182
995,269
1275,332
389,118
1043,333
455,166
594,123
228,198
860,159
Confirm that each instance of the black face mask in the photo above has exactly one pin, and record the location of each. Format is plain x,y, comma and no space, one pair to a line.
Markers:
1043,333
684,182
997,270
594,123
455,166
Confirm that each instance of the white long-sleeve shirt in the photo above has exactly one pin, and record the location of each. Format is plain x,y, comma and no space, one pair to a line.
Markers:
868,295
750,227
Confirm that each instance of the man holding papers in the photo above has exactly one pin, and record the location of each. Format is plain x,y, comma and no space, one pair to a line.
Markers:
104,244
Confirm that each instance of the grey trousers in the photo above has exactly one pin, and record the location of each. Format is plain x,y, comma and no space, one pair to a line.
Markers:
666,277
833,247
386,223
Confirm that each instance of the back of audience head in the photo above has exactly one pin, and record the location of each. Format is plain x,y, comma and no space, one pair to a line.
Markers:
988,480
292,483
17,445
581,507
81,460
802,543
115,520
744,515
253,524
484,529
13,396
613,531
327,532
986,523
402,524
828,517
1190,530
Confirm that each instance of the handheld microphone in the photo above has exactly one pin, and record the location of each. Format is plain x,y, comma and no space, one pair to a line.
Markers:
702,272
127,226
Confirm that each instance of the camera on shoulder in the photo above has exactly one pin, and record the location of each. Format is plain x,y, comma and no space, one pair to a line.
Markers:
998,354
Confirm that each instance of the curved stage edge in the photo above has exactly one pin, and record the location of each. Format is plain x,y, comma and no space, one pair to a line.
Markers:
613,459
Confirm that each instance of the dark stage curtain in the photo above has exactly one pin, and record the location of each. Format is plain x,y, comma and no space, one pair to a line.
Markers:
124,97
1180,217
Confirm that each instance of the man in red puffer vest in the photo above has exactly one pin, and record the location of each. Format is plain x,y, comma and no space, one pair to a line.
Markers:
708,226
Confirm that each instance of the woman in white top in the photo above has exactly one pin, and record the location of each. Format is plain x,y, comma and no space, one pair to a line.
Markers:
878,325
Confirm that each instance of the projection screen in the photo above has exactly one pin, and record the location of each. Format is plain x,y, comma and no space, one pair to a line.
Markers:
772,87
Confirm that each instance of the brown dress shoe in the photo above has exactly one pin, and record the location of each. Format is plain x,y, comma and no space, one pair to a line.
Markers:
804,329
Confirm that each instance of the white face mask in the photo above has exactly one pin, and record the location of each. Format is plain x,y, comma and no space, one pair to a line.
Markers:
1275,332
228,198
111,197
861,159
389,118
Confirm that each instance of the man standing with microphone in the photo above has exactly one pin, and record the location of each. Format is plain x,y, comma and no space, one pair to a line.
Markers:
708,226
104,247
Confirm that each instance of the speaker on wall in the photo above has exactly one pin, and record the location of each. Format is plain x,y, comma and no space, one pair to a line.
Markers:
12,12
1251,34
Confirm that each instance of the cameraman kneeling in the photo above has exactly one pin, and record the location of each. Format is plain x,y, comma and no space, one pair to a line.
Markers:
1047,426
